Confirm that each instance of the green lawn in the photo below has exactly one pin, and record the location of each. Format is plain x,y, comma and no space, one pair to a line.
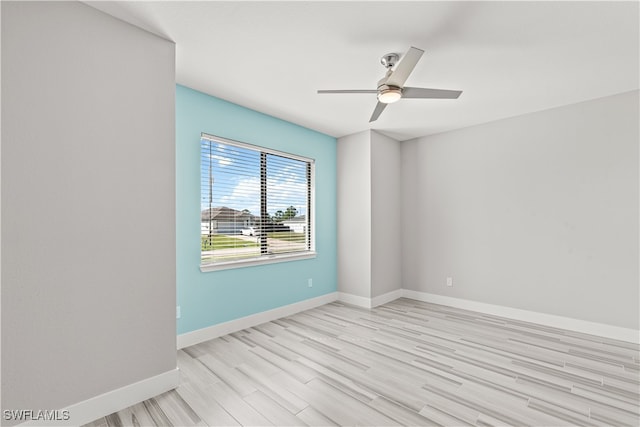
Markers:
221,241
288,236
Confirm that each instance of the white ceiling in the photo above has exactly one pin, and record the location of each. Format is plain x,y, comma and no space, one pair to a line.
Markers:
509,58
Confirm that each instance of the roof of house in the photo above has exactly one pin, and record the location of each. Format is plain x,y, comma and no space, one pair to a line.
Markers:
224,214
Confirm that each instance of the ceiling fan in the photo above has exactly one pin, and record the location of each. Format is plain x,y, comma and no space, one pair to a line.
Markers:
390,87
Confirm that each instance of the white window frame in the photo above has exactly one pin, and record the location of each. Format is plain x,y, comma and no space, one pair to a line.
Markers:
311,214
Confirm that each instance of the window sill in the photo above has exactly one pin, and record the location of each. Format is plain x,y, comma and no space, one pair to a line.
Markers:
273,259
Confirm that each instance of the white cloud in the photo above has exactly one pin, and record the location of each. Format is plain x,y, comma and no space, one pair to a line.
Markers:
222,161
245,195
284,193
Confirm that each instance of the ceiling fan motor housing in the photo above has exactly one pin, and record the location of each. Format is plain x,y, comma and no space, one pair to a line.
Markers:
388,94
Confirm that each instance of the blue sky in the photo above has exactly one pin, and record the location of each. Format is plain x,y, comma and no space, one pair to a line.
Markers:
236,179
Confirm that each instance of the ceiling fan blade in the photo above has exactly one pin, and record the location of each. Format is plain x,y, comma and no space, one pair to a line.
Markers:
349,91
405,67
421,92
378,110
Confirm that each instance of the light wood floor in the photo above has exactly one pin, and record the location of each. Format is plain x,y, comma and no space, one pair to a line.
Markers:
403,363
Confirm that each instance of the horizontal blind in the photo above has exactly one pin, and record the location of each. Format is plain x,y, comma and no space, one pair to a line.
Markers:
287,203
254,203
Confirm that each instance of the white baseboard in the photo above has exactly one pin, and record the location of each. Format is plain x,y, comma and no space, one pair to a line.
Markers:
385,298
112,401
356,300
365,302
215,331
577,325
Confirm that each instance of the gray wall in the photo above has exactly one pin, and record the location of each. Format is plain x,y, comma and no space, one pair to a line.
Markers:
537,212
88,204
354,214
386,229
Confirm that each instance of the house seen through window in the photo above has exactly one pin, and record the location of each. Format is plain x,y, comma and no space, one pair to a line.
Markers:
255,203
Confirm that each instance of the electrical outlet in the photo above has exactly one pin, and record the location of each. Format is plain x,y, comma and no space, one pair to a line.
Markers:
449,281
178,314
310,283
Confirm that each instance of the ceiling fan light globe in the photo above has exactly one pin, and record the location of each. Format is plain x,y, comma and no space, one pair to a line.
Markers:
389,95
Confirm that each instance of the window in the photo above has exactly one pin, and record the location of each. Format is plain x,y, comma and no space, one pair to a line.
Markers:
255,204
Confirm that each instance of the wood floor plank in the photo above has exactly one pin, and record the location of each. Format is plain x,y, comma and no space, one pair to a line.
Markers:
144,413
192,370
402,363
177,410
401,414
230,376
311,417
299,371
344,408
205,405
341,382
273,388
232,403
271,410
100,422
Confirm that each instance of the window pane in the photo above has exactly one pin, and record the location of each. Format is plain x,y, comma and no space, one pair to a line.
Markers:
230,202
287,197
254,203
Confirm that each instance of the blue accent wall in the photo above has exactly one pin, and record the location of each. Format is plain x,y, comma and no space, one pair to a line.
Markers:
210,298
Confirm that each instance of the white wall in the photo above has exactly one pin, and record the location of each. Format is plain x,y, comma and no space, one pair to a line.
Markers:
386,217
88,148
537,212
354,214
